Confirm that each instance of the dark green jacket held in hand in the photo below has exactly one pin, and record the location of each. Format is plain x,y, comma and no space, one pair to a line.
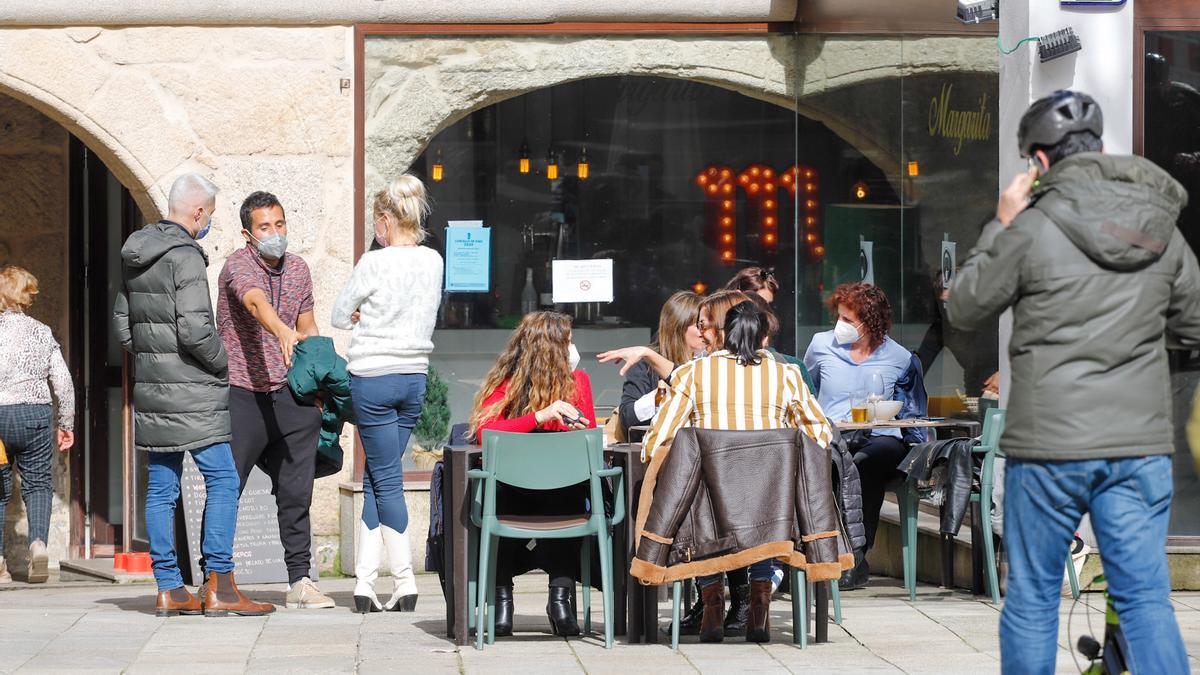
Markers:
163,317
317,369
1099,281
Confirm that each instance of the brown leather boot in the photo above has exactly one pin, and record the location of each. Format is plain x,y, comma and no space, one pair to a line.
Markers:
222,597
712,625
177,601
758,626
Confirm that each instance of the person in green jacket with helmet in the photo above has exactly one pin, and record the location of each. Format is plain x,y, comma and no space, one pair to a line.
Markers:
1085,251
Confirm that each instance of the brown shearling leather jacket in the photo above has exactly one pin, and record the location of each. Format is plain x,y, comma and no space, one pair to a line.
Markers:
719,500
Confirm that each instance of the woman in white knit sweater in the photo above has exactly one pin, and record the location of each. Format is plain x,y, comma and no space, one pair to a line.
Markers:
395,292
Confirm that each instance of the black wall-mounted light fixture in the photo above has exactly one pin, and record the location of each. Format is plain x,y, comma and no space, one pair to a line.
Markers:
978,11
1058,44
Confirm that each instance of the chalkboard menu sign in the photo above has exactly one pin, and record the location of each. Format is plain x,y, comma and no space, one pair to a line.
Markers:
257,552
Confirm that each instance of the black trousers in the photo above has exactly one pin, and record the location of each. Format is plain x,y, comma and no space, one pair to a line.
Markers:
876,458
559,558
279,434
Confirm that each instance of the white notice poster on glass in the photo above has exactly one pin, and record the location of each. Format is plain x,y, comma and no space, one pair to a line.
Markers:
866,261
949,261
583,280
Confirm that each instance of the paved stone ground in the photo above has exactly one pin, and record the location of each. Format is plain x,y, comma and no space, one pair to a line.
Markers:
72,627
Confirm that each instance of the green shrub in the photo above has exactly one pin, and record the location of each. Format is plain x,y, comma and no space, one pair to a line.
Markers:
433,428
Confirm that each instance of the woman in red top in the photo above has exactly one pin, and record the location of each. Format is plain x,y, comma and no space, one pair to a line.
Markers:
534,387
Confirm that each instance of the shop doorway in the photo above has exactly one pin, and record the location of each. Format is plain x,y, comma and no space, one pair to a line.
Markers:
64,220
105,498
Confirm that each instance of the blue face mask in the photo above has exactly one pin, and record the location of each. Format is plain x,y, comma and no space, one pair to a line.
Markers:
204,231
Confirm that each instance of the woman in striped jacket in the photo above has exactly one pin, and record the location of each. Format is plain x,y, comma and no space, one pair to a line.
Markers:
739,386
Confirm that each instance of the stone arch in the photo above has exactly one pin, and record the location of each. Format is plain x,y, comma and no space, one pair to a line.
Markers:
115,156
418,87
114,112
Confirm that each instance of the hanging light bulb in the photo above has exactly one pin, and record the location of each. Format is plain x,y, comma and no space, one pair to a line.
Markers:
582,169
551,166
438,169
523,160
860,190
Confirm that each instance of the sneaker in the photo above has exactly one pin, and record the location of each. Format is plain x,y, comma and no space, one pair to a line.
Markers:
39,563
5,577
304,594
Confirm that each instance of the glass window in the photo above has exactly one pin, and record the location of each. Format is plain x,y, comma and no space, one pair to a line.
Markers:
681,183
1172,140
906,196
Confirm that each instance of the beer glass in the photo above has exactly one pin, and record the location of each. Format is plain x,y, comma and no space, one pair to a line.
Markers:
859,411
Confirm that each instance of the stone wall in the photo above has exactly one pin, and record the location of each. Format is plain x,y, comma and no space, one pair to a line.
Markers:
137,12
33,234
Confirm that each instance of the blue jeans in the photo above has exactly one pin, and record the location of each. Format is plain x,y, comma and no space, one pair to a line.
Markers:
221,484
763,570
387,408
1130,503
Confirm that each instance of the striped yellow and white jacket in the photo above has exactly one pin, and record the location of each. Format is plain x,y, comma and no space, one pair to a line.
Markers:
714,392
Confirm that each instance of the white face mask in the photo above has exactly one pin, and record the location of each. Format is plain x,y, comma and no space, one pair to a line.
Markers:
573,356
845,333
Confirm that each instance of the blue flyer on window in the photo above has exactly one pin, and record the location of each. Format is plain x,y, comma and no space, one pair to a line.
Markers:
468,259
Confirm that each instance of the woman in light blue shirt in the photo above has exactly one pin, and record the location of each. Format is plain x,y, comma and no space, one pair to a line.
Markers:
842,362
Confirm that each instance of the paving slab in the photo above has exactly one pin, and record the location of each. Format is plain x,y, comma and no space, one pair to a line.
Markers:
62,627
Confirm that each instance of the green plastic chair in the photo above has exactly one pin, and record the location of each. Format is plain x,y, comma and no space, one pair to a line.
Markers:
544,462
990,452
989,449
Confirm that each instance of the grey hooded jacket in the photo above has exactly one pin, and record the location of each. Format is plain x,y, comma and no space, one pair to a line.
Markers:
1099,280
163,316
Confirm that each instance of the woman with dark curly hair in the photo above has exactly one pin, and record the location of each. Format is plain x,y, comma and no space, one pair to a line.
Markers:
842,362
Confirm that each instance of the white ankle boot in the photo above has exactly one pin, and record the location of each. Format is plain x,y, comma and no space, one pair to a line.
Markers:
404,595
368,556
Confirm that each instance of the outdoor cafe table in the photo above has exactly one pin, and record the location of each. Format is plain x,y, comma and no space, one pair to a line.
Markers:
969,428
635,607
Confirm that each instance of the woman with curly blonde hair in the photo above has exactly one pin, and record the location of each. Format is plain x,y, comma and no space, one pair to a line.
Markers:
534,386
33,369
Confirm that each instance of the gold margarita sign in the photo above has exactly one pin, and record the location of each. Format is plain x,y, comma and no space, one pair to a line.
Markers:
959,125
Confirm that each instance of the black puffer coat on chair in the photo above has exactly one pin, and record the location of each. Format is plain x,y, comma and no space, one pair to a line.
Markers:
847,489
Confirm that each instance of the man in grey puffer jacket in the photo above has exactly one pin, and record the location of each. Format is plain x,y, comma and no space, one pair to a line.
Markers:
163,316
1099,279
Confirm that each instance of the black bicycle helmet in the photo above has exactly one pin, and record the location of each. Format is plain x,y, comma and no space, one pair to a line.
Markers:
1050,119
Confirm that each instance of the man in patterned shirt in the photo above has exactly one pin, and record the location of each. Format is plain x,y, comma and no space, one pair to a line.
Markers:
264,307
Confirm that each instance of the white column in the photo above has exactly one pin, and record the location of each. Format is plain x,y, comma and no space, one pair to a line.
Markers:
1102,69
